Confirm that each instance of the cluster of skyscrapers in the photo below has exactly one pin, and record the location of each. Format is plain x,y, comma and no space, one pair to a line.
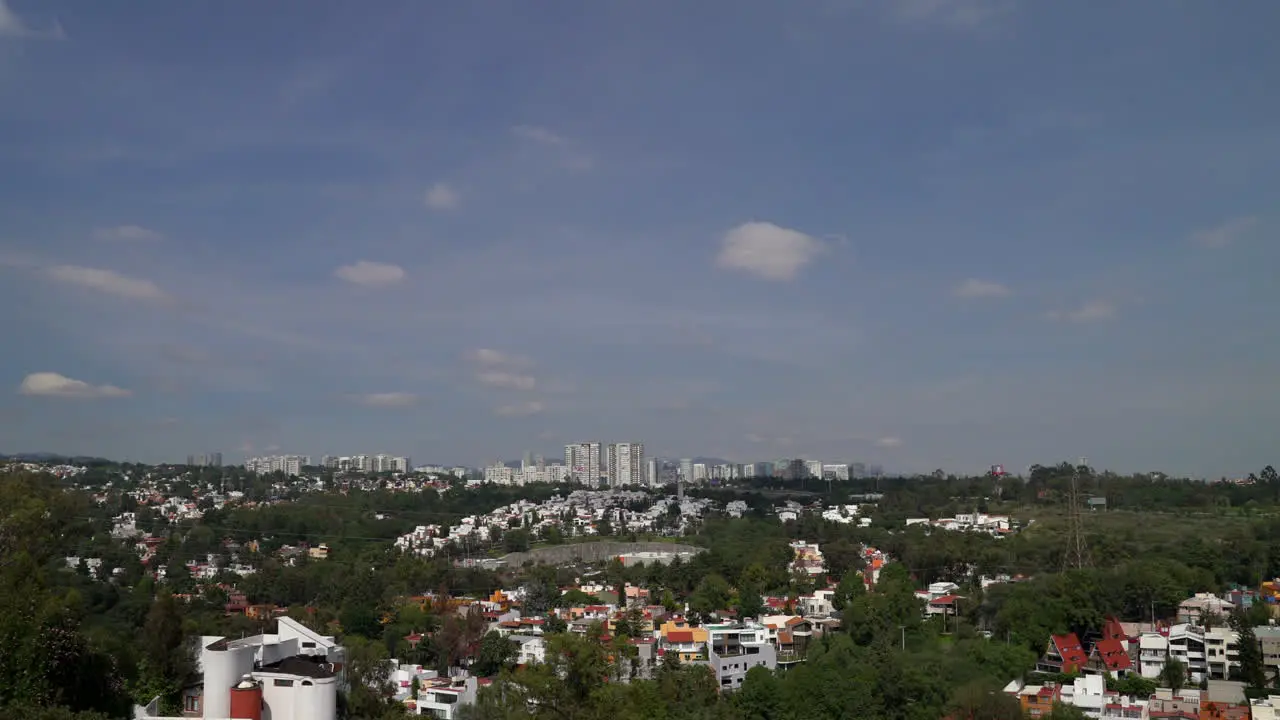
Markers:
287,464
594,464
206,460
366,463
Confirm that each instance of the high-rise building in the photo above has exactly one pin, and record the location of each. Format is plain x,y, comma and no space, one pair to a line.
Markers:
584,459
652,473
206,460
626,464
686,470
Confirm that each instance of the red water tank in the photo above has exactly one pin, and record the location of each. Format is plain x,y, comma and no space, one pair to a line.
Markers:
246,700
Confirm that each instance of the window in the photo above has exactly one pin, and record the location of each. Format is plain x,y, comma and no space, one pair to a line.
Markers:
282,683
191,704
308,645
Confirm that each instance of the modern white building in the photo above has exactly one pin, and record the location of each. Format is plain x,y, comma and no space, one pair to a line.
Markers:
292,674
287,464
1267,708
1153,650
735,648
1212,653
626,464
652,473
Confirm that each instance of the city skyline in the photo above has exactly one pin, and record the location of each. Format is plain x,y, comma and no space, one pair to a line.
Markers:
925,235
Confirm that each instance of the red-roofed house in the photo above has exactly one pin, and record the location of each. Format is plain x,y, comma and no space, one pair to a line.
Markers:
946,605
1110,656
1065,654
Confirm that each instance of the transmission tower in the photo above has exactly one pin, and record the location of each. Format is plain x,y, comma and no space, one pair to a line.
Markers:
1077,554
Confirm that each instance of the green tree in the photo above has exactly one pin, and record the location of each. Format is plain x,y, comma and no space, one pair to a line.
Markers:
750,605
712,594
760,697
368,678
1252,670
983,700
1173,674
495,653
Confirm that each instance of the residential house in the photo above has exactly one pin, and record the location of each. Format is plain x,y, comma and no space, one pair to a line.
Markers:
945,606
791,634
1038,700
1195,609
1184,704
687,642
1109,657
292,674
1064,654
1265,708
735,648
1153,651
443,698
1269,638
532,649
1207,654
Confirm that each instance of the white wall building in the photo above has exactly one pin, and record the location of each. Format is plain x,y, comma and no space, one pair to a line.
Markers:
626,464
584,461
292,674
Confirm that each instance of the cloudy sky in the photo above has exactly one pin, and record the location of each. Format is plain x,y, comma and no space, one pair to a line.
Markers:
923,233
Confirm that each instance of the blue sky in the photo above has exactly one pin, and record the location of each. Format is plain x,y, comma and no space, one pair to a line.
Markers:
921,233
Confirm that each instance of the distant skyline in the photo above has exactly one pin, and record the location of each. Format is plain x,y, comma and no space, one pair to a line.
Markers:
915,233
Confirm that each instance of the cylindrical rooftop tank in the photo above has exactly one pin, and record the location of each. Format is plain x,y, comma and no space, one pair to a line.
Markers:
246,700
224,667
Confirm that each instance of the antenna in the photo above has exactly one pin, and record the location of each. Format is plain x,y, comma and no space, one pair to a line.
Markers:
1076,556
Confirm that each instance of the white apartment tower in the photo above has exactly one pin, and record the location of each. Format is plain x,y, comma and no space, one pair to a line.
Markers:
652,473
626,464
583,460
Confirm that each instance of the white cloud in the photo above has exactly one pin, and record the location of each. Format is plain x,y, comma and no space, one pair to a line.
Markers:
370,274
503,379
54,385
571,157
135,233
494,358
1089,312
767,251
973,288
496,369
524,409
107,281
889,442
387,400
1225,234
441,196
13,26
540,135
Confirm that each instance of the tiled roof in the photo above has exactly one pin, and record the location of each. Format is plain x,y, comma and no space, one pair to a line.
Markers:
1071,652
1112,654
680,636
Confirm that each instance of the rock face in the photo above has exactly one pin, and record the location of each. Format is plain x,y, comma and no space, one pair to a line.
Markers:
592,552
